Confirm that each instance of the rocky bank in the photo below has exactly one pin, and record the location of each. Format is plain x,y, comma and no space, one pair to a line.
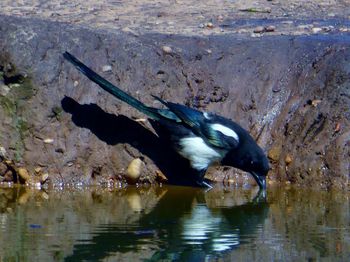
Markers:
292,92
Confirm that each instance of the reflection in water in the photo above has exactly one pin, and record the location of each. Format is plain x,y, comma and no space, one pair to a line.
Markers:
173,224
179,227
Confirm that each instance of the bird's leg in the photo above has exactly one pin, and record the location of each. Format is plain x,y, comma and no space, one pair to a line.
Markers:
201,180
207,185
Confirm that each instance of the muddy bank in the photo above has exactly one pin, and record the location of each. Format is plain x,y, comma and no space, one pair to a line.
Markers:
291,92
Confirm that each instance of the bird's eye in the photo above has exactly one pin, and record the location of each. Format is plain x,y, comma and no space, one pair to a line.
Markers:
251,162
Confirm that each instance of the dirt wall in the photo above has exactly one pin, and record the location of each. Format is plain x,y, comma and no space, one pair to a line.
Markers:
291,92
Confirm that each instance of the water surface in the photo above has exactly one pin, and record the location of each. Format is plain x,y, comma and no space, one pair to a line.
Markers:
174,224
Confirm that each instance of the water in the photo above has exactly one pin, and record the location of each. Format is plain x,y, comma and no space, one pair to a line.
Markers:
174,224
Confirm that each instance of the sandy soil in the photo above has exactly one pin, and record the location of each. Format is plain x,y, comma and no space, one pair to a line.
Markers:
190,16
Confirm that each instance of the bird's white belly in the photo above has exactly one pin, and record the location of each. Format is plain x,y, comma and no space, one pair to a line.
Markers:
198,152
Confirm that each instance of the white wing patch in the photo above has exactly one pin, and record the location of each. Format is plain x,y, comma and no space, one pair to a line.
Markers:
198,152
206,115
225,130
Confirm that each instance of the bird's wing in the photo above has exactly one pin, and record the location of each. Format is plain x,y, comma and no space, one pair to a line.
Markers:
213,133
218,136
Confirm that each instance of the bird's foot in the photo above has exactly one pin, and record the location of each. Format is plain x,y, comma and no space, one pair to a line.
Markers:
204,185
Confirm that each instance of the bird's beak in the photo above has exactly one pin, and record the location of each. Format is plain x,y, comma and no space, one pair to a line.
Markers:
261,180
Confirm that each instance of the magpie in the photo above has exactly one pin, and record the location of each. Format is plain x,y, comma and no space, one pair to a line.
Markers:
202,138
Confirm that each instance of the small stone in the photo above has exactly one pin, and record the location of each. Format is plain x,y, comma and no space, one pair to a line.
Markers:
3,168
328,28
37,170
288,159
337,127
270,28
161,178
209,25
133,171
315,102
167,49
44,178
23,173
8,177
14,85
259,29
48,141
4,90
220,18
276,88
106,68
2,152
75,83
316,30
274,153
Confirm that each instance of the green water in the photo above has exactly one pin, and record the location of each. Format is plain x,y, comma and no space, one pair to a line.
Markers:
174,224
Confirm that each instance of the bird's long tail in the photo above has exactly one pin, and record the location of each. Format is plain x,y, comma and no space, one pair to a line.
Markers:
109,87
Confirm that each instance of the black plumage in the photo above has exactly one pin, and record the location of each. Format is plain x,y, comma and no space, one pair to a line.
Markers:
202,138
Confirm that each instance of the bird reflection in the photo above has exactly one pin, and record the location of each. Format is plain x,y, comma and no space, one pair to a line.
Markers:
187,224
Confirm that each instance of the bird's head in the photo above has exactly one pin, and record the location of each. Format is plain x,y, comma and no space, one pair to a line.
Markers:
252,159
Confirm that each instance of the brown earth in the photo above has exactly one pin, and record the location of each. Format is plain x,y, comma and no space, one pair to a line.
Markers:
289,87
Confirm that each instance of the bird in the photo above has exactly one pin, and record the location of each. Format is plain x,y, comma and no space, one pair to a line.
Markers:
203,138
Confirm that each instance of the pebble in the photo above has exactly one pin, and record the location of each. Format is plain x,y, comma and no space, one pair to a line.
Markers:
37,170
23,173
274,153
15,85
209,25
288,159
259,29
48,141
4,90
270,28
316,30
106,68
328,28
161,178
44,178
167,49
2,152
75,83
3,169
133,171
315,102
8,176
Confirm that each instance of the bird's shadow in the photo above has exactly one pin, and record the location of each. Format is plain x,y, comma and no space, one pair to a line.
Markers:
113,130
